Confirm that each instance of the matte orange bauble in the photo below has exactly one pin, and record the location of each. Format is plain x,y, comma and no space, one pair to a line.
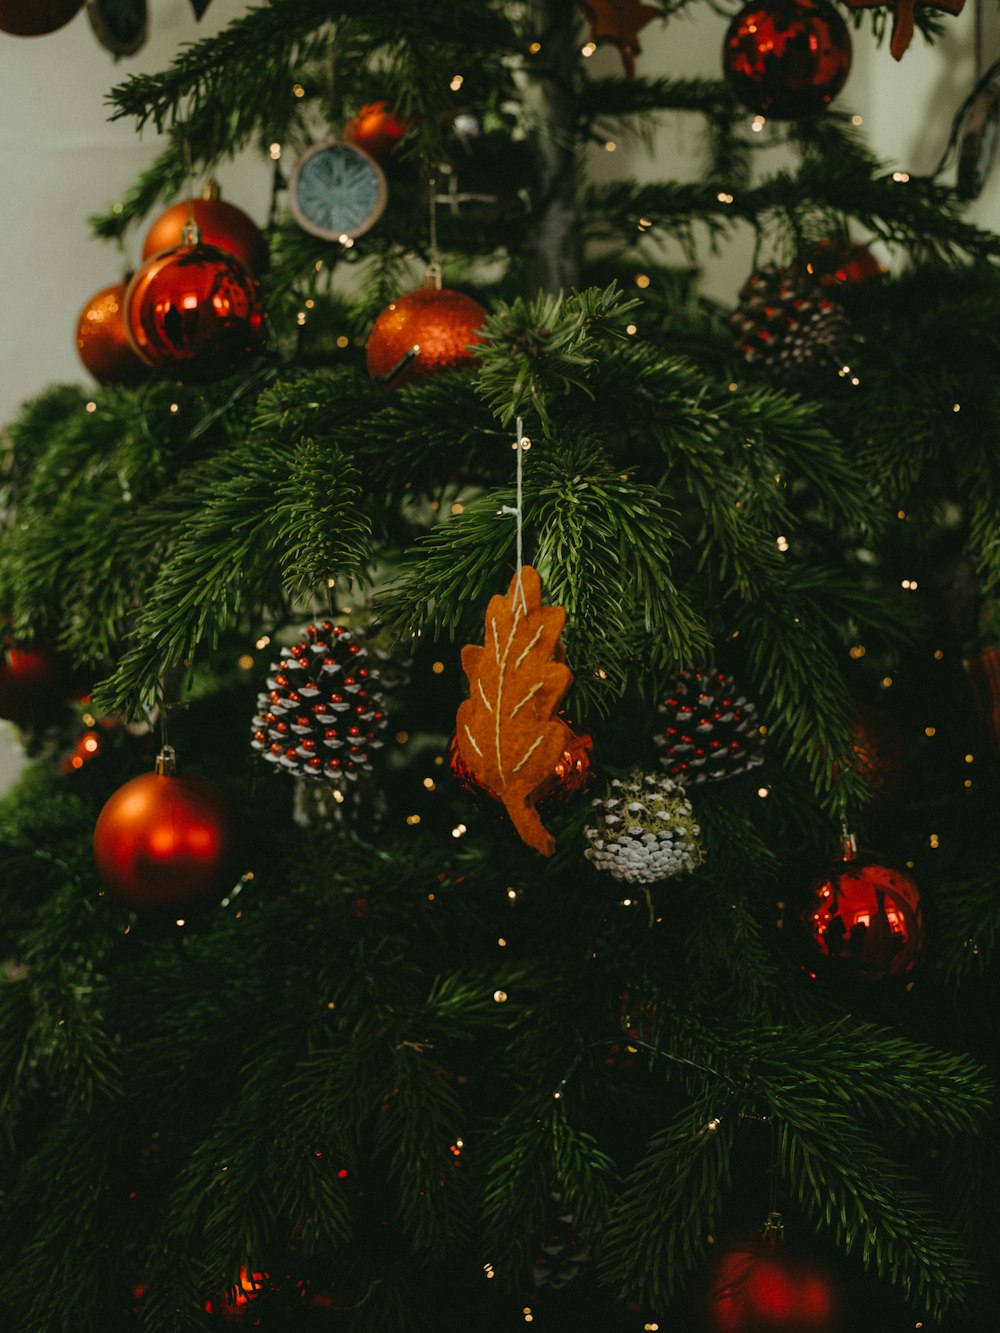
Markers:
163,843
194,313
759,1285
376,129
220,224
32,18
102,342
425,331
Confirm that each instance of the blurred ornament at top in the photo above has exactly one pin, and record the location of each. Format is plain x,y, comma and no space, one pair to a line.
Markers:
620,22
786,58
121,26
376,129
33,18
903,17
221,224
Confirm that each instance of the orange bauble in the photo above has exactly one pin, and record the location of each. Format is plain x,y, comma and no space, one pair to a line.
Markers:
194,313
220,224
34,679
163,843
425,331
103,343
376,129
32,18
572,773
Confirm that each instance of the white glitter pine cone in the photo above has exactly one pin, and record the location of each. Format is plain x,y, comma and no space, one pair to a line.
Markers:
645,830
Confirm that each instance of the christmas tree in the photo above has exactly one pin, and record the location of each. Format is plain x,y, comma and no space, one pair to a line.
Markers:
512,836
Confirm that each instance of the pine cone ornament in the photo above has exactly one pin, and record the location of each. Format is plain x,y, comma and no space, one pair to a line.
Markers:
788,325
323,711
564,1253
712,730
645,830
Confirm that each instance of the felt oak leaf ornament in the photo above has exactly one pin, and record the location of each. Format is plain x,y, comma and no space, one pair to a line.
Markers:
902,19
619,22
505,731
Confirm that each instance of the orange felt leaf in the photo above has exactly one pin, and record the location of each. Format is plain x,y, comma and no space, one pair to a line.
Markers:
505,730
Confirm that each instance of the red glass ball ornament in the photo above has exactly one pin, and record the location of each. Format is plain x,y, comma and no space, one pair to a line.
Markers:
841,263
376,129
786,58
249,1286
220,223
425,331
103,343
33,18
865,918
33,680
762,1286
194,313
163,843
571,775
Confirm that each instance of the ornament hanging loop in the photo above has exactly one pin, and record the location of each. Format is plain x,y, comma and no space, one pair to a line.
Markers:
166,762
522,444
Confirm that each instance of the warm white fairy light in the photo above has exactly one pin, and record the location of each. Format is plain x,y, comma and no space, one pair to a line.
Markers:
275,151
900,177
724,198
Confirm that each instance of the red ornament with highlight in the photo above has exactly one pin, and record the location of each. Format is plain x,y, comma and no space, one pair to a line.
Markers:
786,59
864,919
164,843
841,263
220,224
194,313
34,18
102,339
762,1286
425,331
376,129
34,680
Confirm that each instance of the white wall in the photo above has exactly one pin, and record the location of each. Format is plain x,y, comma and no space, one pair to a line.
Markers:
61,160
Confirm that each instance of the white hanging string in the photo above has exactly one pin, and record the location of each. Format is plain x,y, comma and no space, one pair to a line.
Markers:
522,444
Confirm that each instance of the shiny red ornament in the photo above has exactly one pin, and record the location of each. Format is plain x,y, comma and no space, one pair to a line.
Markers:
571,776
220,224
841,263
376,129
786,58
164,843
759,1285
864,919
33,680
103,343
248,1287
423,332
33,18
194,313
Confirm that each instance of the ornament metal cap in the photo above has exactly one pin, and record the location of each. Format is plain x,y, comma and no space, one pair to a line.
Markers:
433,276
848,843
166,762
774,1228
190,233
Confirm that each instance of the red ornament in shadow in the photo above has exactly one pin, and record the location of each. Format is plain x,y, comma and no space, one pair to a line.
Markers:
760,1285
376,129
786,58
864,918
34,680
840,263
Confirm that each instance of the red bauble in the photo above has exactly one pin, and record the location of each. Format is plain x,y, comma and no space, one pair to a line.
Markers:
194,313
425,331
572,773
223,225
33,680
376,129
761,1286
841,263
103,343
163,843
32,18
249,1286
864,918
786,58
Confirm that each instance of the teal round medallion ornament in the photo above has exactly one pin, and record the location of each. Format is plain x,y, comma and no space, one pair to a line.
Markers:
337,191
